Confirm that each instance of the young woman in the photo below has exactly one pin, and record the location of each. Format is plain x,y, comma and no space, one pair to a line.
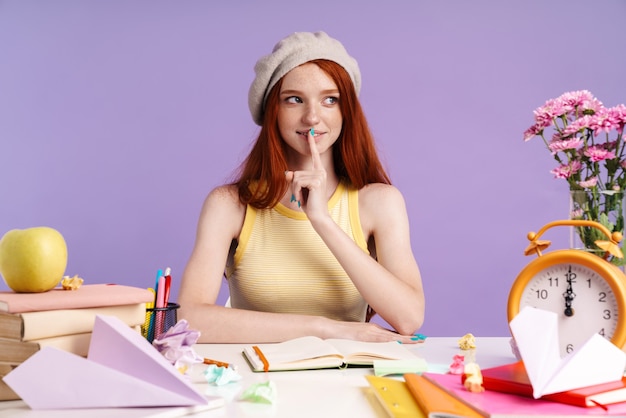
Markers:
312,237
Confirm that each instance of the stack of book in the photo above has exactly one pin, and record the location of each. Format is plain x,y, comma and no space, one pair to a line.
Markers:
508,393
63,319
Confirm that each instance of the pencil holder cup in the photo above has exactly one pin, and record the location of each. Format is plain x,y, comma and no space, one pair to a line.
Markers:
159,320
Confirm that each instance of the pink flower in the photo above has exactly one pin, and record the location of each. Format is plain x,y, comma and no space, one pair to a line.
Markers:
581,100
532,131
590,182
609,119
544,116
557,145
598,153
604,121
588,144
564,171
578,125
571,105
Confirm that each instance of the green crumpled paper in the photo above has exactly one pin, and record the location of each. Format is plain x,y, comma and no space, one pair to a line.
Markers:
260,393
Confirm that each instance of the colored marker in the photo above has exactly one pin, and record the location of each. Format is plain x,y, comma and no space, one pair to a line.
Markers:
168,283
219,363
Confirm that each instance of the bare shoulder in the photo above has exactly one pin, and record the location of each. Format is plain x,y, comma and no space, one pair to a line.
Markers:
225,196
377,195
222,205
380,204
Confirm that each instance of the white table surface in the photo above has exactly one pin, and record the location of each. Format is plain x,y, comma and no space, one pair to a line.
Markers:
315,393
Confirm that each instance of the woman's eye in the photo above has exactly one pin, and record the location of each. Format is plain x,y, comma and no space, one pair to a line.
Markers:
331,100
293,99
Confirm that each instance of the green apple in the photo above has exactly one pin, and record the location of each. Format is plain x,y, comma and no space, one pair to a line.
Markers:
33,260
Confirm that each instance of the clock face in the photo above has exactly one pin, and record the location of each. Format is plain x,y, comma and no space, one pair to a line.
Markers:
583,300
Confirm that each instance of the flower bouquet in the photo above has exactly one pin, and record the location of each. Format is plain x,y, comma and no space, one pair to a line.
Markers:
587,143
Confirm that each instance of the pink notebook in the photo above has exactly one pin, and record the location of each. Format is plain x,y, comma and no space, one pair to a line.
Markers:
497,404
87,296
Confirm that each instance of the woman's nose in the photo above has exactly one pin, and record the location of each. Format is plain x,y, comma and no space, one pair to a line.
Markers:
311,115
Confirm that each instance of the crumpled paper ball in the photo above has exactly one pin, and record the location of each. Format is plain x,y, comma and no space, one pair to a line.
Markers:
458,365
467,342
260,392
515,349
473,378
176,345
219,375
71,283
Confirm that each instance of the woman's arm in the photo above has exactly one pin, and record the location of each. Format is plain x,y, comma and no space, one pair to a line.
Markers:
392,283
220,222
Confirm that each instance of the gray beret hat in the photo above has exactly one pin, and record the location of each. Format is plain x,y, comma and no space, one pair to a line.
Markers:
292,51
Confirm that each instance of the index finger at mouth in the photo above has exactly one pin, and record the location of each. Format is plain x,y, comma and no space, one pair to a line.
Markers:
315,155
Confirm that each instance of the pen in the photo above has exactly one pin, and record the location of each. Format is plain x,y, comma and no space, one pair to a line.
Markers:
159,322
168,282
152,319
219,363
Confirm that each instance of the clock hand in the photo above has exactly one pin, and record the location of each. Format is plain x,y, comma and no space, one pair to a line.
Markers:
569,294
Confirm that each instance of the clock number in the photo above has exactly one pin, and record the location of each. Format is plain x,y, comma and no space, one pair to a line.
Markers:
569,348
601,332
556,281
607,314
542,294
602,297
570,276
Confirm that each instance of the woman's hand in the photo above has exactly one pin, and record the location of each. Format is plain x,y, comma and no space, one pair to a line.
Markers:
366,331
309,186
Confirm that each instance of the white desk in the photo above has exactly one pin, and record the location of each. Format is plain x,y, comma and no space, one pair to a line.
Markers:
318,393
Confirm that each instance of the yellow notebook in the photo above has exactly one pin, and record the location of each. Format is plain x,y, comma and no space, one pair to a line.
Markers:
435,402
395,398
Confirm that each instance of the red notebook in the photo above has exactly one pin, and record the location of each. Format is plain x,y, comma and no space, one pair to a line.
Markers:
499,404
512,378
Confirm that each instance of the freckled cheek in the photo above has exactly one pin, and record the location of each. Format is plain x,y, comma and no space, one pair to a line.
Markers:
334,119
289,120
284,126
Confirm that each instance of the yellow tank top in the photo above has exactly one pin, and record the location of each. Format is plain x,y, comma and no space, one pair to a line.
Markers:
282,265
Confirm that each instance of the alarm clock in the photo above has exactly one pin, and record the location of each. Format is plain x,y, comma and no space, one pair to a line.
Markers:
586,291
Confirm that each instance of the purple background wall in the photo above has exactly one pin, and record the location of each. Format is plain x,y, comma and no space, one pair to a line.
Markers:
117,118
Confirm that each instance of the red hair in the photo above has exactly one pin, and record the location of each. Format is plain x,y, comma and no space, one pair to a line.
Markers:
261,183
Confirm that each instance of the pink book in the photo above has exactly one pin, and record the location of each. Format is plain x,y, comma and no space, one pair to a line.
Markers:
87,296
498,404
512,378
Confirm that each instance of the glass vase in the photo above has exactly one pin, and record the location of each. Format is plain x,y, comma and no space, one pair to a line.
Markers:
605,207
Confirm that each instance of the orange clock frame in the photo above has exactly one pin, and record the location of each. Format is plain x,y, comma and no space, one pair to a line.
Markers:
615,277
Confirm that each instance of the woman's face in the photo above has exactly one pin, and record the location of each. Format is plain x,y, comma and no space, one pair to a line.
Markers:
309,98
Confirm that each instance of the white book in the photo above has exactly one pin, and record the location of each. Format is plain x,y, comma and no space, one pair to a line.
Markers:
315,353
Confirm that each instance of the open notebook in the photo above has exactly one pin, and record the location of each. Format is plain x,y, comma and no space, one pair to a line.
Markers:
315,353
